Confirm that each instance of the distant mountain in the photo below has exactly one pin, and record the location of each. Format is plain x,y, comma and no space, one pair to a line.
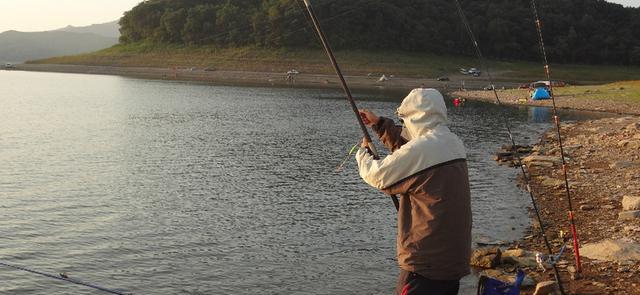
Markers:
21,46
110,29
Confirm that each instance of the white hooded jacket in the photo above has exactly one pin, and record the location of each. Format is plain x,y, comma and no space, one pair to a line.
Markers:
431,142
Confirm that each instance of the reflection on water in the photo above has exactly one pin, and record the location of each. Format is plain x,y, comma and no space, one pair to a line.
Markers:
540,114
173,188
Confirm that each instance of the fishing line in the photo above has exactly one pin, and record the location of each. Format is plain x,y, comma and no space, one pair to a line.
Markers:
556,119
65,278
526,176
344,162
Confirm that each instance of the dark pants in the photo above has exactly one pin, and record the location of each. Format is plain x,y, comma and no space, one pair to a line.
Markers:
410,283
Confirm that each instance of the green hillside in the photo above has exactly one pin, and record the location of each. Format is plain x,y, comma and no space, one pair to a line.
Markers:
576,31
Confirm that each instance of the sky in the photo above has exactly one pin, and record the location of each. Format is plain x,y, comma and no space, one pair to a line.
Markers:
42,15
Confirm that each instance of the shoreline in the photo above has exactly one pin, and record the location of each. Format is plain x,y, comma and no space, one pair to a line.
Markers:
603,175
603,159
267,79
472,86
568,101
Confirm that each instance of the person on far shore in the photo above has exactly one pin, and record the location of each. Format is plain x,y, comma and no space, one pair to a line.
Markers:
427,169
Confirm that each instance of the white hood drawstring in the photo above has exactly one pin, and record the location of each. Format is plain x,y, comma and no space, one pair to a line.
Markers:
430,142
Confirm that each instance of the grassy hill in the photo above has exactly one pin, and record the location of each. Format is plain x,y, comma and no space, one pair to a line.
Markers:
353,62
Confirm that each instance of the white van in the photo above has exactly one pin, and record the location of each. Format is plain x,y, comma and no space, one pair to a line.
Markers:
9,66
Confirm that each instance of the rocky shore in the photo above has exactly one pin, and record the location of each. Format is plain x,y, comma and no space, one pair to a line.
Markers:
604,179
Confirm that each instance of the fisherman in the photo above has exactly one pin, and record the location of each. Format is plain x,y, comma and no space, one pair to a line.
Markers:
427,168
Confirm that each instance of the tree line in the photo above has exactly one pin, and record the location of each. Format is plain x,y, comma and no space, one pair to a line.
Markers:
575,31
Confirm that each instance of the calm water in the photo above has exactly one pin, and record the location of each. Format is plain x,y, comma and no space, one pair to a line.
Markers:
157,187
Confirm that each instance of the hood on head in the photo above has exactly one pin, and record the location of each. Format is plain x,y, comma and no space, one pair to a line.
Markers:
422,111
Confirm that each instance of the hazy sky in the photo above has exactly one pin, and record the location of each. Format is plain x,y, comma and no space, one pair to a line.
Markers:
42,15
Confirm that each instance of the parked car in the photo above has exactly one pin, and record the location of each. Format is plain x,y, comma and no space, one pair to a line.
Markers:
547,84
488,87
442,78
9,66
293,72
539,84
474,72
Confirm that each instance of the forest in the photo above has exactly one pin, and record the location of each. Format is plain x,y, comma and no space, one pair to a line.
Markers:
575,31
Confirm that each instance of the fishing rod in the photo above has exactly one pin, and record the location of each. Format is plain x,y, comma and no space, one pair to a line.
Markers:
556,119
345,87
526,176
64,277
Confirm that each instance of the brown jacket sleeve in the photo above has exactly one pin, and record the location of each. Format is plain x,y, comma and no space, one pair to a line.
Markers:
389,134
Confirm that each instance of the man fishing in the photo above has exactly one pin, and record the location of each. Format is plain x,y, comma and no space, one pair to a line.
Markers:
427,168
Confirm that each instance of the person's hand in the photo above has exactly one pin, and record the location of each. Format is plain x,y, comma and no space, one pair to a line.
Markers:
365,143
368,117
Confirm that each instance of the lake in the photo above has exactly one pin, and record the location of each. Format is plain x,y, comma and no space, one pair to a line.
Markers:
160,187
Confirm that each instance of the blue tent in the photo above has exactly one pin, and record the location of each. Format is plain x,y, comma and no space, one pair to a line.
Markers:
540,93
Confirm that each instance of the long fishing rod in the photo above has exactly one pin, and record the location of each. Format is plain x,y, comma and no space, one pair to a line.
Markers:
556,119
526,176
65,278
345,87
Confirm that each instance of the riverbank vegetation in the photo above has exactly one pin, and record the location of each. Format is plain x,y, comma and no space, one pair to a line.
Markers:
403,38
576,31
353,62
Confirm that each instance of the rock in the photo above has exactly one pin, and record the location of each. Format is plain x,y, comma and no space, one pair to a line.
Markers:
484,242
632,228
540,164
621,165
552,182
598,284
623,143
586,207
629,215
631,203
633,126
623,269
544,161
608,207
538,149
575,276
571,269
486,257
525,261
545,288
610,250
516,253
